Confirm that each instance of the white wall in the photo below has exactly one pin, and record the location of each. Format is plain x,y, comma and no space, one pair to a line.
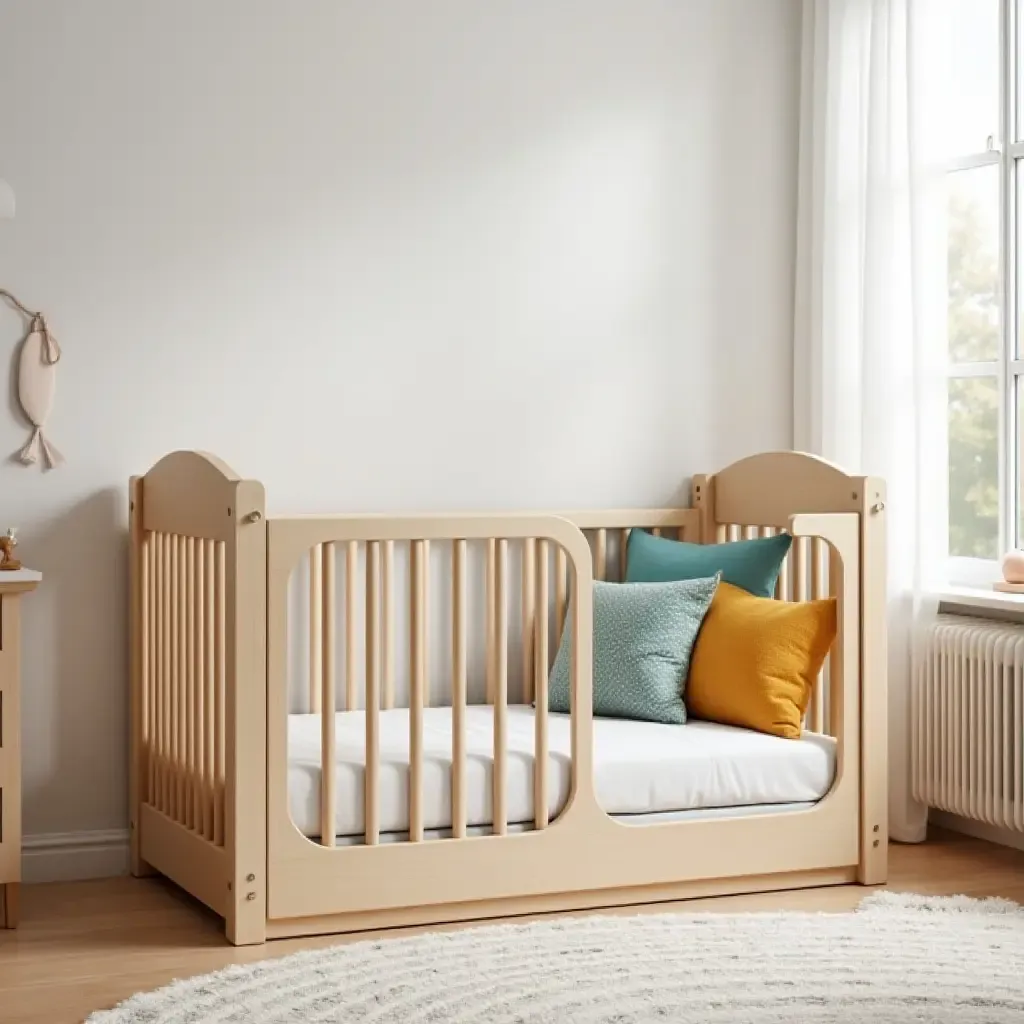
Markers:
393,255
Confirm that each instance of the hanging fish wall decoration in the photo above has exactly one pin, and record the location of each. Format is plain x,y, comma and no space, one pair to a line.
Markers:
37,378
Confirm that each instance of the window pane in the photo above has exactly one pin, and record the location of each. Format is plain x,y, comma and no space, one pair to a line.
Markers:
1018,170
1018,484
973,113
974,467
973,265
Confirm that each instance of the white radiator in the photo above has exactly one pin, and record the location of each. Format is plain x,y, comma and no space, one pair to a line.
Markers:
967,720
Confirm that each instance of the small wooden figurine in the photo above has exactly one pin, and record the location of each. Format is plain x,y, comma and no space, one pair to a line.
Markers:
7,545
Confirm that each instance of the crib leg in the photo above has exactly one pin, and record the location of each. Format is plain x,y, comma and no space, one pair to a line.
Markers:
245,798
242,927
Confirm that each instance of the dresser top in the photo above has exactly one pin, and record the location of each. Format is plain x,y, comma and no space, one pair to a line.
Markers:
19,580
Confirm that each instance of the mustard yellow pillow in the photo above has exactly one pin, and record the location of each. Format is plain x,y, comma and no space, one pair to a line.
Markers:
756,660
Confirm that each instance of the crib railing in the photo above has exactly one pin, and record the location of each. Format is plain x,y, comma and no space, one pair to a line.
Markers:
198,675
397,653
398,623
184,659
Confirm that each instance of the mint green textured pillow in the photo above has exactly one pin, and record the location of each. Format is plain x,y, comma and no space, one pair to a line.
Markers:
751,564
643,636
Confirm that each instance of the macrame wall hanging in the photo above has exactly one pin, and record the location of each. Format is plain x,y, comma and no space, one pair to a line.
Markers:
37,376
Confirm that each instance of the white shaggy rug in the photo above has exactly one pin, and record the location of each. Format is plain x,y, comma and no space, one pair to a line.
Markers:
896,959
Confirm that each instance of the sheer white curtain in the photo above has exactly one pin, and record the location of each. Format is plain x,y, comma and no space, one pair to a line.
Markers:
870,336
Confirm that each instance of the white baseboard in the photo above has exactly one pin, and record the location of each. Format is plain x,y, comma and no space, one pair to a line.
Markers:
74,856
977,829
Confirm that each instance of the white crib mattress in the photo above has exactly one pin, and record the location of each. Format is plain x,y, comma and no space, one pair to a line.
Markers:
643,771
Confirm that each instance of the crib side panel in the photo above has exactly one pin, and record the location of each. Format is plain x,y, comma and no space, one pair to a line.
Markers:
319,884
198,684
414,596
758,496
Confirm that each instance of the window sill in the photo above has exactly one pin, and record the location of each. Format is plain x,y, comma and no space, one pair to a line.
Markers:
982,603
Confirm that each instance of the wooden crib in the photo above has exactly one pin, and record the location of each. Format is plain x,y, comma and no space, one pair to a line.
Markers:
239,620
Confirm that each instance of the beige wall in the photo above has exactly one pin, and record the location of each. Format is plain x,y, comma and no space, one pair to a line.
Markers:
360,251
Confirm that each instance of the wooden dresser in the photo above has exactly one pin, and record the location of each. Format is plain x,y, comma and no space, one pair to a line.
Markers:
13,585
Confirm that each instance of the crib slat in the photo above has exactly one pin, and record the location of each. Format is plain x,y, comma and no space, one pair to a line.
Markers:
834,709
351,600
490,624
500,824
220,621
601,554
168,645
387,597
190,682
623,550
171,655
175,676
153,657
786,578
316,644
528,588
200,705
799,593
459,689
781,592
202,680
819,582
418,660
370,794
159,709
149,675
183,674
177,659
139,720
328,702
156,709
561,586
195,599
172,678
540,718
819,590
169,677
799,569
210,780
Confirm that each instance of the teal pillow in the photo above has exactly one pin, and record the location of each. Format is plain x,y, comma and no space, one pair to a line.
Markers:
643,636
752,565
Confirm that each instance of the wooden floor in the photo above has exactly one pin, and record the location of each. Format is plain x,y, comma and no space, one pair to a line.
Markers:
84,946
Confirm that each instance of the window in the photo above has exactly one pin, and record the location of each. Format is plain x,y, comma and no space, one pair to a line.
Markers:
985,181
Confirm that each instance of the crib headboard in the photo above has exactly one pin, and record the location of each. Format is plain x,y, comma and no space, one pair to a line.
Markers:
806,494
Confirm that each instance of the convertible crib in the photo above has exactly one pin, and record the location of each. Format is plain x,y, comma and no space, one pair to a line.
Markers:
339,722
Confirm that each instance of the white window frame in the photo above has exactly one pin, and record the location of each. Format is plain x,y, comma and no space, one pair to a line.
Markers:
1005,152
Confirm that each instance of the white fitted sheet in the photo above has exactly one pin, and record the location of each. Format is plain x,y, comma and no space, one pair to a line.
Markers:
641,769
